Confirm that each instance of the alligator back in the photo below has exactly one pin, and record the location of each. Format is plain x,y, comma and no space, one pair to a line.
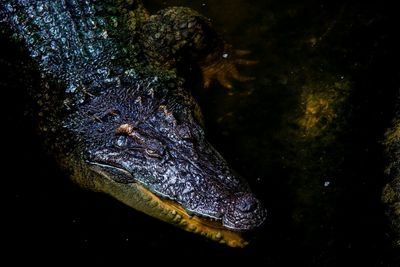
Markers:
65,37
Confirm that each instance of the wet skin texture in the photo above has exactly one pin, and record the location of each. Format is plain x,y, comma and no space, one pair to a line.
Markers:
115,112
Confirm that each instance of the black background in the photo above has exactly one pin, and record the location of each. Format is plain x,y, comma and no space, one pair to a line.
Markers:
48,219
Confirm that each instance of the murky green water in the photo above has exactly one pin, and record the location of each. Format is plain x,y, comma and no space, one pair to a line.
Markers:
306,134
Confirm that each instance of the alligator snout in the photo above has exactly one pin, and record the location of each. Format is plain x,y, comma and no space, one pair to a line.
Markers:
244,212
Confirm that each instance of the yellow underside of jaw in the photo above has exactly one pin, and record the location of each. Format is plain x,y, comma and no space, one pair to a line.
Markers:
173,213
138,197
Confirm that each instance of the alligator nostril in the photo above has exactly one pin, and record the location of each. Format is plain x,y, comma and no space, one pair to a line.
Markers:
246,203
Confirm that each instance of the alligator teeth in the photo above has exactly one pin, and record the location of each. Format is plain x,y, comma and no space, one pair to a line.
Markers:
217,236
153,204
177,219
197,231
164,211
191,228
146,197
233,243
191,222
171,214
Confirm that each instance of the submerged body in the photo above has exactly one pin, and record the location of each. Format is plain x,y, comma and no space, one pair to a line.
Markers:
117,114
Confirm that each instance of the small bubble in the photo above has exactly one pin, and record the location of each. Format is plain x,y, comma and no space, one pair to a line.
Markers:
327,183
225,55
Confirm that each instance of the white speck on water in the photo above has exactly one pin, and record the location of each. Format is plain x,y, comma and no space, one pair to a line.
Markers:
225,55
327,183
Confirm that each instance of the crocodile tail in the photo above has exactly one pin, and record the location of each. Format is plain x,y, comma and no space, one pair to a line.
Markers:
66,37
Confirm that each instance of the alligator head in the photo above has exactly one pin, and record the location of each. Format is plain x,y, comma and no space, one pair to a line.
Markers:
147,139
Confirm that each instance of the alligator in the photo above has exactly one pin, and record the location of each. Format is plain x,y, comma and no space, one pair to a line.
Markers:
116,111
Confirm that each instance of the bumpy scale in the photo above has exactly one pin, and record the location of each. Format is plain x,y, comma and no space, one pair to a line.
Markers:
116,114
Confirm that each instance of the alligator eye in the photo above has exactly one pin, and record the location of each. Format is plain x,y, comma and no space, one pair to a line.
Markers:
121,141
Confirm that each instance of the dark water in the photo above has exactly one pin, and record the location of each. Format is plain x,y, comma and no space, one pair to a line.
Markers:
306,134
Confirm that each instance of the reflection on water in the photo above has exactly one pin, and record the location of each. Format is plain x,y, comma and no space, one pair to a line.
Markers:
305,134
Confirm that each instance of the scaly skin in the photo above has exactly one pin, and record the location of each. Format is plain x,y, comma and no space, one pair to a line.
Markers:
116,113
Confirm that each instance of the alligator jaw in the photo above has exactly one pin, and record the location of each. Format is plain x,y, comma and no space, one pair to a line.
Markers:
138,197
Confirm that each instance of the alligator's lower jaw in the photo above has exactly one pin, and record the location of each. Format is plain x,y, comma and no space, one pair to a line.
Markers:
139,198
171,212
